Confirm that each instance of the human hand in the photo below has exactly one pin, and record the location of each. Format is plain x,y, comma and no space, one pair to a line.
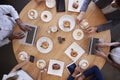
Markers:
101,54
18,35
102,44
90,30
80,17
76,71
24,27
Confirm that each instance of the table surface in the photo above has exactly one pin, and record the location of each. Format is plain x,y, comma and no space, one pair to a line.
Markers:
94,17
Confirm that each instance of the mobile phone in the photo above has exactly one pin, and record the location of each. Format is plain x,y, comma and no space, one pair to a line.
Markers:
31,58
60,5
71,67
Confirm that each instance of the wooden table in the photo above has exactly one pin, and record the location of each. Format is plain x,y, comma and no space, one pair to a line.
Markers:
94,17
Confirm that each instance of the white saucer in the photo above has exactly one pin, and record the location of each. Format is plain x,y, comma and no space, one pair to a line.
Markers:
84,66
41,61
35,14
66,18
76,36
23,54
39,43
50,3
46,16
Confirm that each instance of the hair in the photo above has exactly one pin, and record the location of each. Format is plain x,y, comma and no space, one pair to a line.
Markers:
118,2
13,78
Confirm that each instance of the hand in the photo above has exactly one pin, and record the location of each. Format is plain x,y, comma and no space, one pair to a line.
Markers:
102,44
79,19
101,54
18,35
24,27
90,30
76,71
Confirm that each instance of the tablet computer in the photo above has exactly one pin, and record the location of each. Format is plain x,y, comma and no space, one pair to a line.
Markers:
92,45
29,36
60,5
71,67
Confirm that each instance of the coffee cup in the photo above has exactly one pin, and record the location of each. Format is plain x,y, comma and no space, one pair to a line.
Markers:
84,24
54,28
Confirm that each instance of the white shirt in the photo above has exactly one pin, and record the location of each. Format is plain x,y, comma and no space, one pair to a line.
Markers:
22,75
115,55
6,22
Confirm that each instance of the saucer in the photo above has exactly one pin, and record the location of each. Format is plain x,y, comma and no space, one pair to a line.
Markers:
46,16
78,34
50,3
32,14
23,55
84,64
69,19
41,63
44,50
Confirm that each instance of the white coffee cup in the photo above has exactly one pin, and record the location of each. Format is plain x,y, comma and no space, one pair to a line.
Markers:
54,28
84,24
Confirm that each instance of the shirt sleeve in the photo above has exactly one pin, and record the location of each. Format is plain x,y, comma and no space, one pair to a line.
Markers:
85,5
103,27
4,42
8,9
70,77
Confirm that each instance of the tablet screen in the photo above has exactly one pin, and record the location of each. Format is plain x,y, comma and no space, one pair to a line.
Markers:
71,67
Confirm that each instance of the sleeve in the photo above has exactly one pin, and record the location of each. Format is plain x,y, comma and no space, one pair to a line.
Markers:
70,77
85,5
8,9
4,42
103,27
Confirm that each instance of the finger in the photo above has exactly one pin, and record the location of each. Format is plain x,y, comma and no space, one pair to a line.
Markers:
28,28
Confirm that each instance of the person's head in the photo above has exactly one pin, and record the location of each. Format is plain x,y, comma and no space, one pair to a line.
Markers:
13,78
115,3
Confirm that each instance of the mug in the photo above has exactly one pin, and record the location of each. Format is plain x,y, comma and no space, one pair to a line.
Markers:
54,28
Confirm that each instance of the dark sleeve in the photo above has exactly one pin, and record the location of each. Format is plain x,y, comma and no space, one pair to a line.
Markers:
70,77
85,5
103,27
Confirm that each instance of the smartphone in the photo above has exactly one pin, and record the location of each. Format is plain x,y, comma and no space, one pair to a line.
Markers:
31,58
71,67
60,5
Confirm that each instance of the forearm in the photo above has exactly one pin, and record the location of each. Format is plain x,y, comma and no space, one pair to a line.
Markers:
85,5
105,26
20,65
39,75
113,63
115,44
18,21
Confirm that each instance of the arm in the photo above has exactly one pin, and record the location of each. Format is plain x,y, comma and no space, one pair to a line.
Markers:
4,42
103,55
83,9
112,63
19,65
105,26
8,9
39,75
